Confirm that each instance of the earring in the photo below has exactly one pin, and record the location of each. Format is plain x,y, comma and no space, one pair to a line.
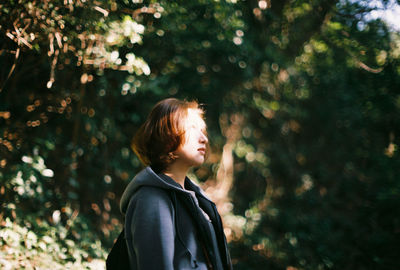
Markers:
172,156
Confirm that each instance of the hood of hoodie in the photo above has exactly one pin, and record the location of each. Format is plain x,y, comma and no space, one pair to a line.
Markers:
147,177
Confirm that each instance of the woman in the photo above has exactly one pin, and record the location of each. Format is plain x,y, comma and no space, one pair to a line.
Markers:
169,221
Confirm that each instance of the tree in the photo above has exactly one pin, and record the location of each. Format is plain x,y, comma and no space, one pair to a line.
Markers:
301,101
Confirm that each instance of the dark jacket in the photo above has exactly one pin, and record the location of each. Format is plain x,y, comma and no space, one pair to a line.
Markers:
165,228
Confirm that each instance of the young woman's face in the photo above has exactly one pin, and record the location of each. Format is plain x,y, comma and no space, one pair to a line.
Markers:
192,152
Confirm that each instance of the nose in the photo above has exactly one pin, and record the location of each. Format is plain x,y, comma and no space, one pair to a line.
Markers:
203,138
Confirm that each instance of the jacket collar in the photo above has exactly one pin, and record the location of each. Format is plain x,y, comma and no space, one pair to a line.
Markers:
147,177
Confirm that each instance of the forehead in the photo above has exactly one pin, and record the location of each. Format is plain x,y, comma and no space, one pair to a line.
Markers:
194,118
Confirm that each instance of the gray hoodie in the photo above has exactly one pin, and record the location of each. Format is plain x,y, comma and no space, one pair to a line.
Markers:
168,228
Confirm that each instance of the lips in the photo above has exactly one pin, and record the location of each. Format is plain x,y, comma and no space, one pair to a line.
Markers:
202,150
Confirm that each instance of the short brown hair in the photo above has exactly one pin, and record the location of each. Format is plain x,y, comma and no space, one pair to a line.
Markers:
162,132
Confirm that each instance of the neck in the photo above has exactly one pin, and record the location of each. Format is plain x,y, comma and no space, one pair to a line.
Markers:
177,173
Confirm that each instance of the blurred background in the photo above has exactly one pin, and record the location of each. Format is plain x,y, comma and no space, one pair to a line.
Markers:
302,103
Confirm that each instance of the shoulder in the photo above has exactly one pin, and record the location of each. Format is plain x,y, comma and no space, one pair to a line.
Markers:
152,198
146,192
150,207
150,210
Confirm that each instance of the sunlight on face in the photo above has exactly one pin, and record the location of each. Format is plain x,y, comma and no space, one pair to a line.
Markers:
194,120
193,149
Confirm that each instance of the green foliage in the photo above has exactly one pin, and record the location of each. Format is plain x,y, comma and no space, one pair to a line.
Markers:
23,248
31,240
303,98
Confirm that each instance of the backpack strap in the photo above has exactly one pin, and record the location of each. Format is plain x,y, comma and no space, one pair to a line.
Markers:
118,258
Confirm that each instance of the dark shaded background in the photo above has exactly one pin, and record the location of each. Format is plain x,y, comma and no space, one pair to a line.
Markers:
302,101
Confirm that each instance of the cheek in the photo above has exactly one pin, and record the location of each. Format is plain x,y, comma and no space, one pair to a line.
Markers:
188,137
187,149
